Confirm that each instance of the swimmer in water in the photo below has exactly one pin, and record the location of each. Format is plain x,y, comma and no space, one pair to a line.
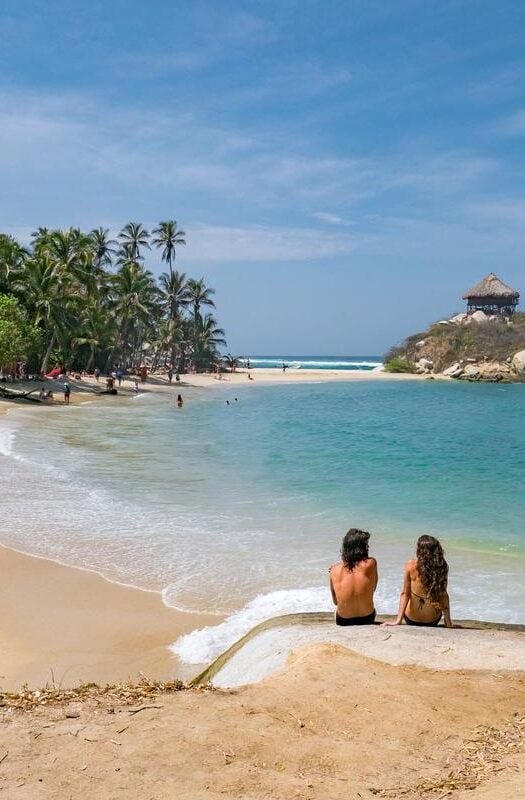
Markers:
180,401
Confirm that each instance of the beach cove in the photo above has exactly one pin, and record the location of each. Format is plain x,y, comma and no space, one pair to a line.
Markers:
158,534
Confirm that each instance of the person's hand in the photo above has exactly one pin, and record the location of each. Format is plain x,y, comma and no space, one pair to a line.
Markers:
390,624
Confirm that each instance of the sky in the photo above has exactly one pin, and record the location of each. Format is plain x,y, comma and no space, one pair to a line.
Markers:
344,169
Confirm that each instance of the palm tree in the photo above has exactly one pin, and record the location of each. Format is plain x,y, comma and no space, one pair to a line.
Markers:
134,307
173,297
199,295
40,240
133,237
231,362
41,288
207,339
96,328
12,257
173,293
102,246
169,237
65,284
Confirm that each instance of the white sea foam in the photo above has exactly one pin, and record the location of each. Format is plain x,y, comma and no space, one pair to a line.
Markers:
308,363
202,646
7,440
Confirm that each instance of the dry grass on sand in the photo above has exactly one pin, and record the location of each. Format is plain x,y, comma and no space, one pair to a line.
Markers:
331,725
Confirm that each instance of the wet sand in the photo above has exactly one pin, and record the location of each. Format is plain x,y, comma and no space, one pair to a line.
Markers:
65,625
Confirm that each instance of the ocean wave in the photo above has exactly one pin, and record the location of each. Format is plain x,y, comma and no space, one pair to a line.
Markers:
204,645
276,363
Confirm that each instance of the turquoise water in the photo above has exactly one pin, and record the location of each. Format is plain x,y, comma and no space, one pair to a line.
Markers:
240,508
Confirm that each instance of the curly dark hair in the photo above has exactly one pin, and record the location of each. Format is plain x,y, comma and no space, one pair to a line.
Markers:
355,547
432,567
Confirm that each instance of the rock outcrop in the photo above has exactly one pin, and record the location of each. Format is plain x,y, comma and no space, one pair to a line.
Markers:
470,347
518,362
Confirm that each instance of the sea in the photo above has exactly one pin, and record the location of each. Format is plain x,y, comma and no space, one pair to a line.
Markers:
350,363
239,507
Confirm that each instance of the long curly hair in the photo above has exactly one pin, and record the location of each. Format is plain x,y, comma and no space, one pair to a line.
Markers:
432,567
355,547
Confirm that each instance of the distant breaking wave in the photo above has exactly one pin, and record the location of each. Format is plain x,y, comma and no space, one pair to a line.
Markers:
319,362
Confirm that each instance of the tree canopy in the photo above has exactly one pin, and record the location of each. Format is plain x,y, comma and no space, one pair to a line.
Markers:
84,300
18,339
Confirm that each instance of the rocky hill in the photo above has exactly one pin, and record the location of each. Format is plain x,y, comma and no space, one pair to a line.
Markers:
467,347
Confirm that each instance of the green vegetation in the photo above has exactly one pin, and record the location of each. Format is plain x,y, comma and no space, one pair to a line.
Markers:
446,344
85,300
398,364
17,338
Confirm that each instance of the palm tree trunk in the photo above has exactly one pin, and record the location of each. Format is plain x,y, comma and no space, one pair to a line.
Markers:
156,358
111,358
47,356
89,364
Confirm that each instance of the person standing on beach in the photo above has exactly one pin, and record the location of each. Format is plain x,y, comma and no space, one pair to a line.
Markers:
67,392
424,598
354,580
170,375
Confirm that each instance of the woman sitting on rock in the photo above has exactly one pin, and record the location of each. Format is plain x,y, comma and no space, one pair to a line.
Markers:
424,597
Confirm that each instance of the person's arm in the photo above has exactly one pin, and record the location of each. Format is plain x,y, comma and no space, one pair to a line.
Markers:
332,590
445,605
404,598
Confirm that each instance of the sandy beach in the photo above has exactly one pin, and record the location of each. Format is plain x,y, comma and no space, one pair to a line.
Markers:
332,724
75,625
66,626
309,731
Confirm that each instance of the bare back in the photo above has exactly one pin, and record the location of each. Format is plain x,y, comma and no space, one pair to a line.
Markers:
420,607
353,590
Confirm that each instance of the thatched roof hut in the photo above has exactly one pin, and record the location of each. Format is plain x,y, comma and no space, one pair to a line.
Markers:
492,296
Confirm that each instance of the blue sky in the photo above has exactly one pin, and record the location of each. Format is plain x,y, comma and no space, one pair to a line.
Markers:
344,170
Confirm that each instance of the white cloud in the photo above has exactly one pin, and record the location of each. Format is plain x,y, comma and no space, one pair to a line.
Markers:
214,243
54,138
69,160
331,219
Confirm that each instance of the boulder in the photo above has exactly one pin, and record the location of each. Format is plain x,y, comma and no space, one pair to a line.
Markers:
426,363
459,318
453,371
421,343
518,362
471,371
479,316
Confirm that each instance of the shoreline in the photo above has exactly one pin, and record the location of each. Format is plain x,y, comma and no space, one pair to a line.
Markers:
132,626
67,625
85,389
